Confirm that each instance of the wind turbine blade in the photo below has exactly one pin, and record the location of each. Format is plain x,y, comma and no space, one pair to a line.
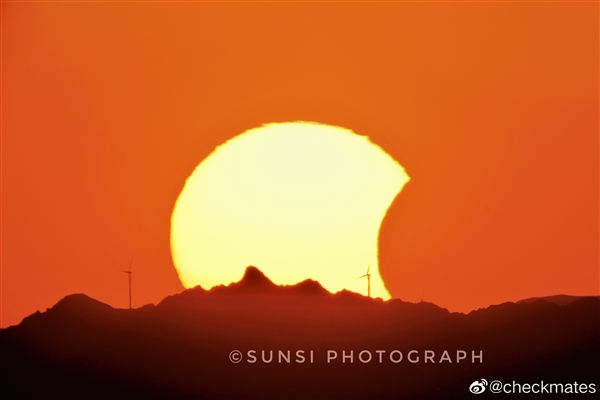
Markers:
362,276
131,262
368,269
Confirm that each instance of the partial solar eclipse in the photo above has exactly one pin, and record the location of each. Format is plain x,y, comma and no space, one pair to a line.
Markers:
298,200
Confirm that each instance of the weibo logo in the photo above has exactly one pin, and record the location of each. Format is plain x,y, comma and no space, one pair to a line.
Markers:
478,387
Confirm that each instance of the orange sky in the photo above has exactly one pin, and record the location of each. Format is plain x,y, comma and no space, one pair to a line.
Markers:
492,108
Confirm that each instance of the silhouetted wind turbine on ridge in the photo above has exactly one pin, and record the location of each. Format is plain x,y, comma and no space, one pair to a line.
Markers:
129,272
368,275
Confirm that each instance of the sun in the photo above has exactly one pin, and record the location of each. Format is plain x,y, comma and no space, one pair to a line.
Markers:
298,200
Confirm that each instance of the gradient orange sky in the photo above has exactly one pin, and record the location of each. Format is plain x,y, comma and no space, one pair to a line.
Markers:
492,108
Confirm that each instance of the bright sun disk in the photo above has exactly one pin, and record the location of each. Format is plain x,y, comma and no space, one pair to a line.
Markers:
298,200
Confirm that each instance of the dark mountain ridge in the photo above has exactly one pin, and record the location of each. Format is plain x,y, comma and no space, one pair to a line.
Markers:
180,348
559,299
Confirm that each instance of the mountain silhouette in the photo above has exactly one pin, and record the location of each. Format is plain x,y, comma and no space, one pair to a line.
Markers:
180,348
559,299
253,281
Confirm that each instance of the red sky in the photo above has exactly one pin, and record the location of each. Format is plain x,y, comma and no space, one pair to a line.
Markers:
492,108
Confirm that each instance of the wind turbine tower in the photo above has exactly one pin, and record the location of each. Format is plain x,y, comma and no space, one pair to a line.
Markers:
368,275
129,272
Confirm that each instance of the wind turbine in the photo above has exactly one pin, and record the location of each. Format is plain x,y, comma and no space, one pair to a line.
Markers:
368,275
129,272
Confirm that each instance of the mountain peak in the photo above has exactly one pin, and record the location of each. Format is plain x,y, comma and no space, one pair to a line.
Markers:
255,277
253,281
307,286
79,302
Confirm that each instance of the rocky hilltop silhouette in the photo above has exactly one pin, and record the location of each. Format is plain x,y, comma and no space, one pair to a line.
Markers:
287,336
